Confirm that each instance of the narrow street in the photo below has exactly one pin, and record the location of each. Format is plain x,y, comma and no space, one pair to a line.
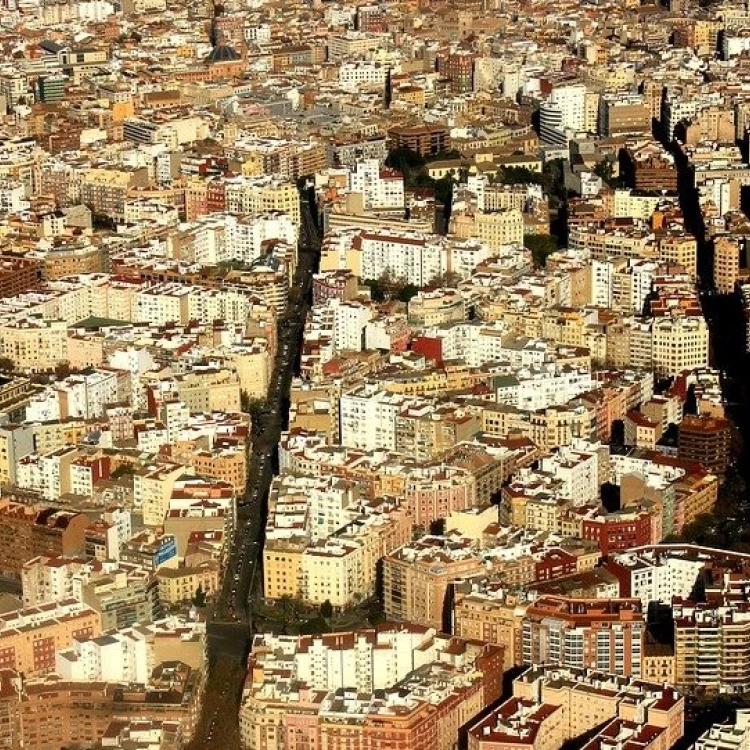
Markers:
231,628
725,319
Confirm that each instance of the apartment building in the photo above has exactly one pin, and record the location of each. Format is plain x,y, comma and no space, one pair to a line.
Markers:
130,654
438,307
344,676
260,195
30,637
623,114
380,188
552,705
663,572
105,191
425,139
49,711
324,543
650,168
281,157
141,732
732,735
122,594
18,274
711,645
180,585
34,345
152,490
225,464
418,577
730,263
705,440
199,505
679,343
603,635
497,229
27,532
16,442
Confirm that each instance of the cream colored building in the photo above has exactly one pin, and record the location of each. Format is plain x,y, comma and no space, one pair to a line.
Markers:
253,365
34,345
16,441
658,664
282,566
551,706
630,206
439,307
178,585
333,571
257,195
679,343
152,489
727,254
50,436
210,390
499,228
681,249
492,621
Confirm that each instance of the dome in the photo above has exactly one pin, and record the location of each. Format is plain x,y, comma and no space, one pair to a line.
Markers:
223,53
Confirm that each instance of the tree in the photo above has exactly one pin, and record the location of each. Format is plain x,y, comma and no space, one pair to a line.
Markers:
448,155
518,176
406,292
122,470
326,609
701,530
553,181
7,364
447,280
251,406
443,189
314,626
375,614
382,287
199,598
62,370
437,527
541,246
377,293
604,171
409,163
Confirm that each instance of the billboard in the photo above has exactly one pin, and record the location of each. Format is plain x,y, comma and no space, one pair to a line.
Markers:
166,551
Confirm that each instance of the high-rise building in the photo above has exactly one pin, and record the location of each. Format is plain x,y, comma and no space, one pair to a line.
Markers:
458,68
564,110
705,440
600,634
27,532
52,88
730,263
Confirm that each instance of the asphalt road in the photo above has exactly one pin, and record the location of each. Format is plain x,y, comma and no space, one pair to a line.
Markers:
230,630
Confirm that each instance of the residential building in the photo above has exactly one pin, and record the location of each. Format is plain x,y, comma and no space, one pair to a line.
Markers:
27,532
705,440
